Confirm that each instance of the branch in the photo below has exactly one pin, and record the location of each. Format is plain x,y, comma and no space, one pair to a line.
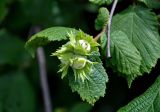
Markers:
44,84
43,74
109,28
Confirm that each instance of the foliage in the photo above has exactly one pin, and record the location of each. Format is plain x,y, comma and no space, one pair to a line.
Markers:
80,57
79,54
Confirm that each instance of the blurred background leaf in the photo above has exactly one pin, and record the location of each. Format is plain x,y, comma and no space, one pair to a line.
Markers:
17,94
12,50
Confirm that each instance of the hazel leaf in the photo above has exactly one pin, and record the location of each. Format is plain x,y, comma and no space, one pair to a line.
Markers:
48,35
140,26
149,101
94,88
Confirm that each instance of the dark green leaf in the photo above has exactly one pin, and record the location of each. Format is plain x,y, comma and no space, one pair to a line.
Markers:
126,59
152,3
140,25
149,101
48,35
94,88
16,94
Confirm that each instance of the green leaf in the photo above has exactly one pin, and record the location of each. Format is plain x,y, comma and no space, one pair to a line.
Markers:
12,50
16,94
48,35
94,88
140,26
126,58
102,18
152,3
101,2
149,101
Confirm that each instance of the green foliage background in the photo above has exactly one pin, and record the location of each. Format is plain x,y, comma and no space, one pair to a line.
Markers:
20,89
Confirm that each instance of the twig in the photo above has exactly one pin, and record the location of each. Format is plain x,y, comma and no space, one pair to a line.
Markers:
96,38
44,84
43,74
109,28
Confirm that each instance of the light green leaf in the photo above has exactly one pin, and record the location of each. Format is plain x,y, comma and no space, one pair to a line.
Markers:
140,26
152,3
94,88
102,18
48,35
126,58
17,95
12,50
149,101
101,2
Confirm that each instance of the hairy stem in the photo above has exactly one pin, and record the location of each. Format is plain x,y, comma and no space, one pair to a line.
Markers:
109,27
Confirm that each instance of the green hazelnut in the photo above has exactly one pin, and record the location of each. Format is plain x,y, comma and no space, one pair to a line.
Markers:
79,63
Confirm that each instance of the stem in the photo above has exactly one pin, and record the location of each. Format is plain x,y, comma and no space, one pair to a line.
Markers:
96,38
44,84
109,28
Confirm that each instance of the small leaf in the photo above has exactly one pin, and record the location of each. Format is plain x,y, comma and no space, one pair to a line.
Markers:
48,35
152,3
101,2
17,95
102,18
94,88
149,101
